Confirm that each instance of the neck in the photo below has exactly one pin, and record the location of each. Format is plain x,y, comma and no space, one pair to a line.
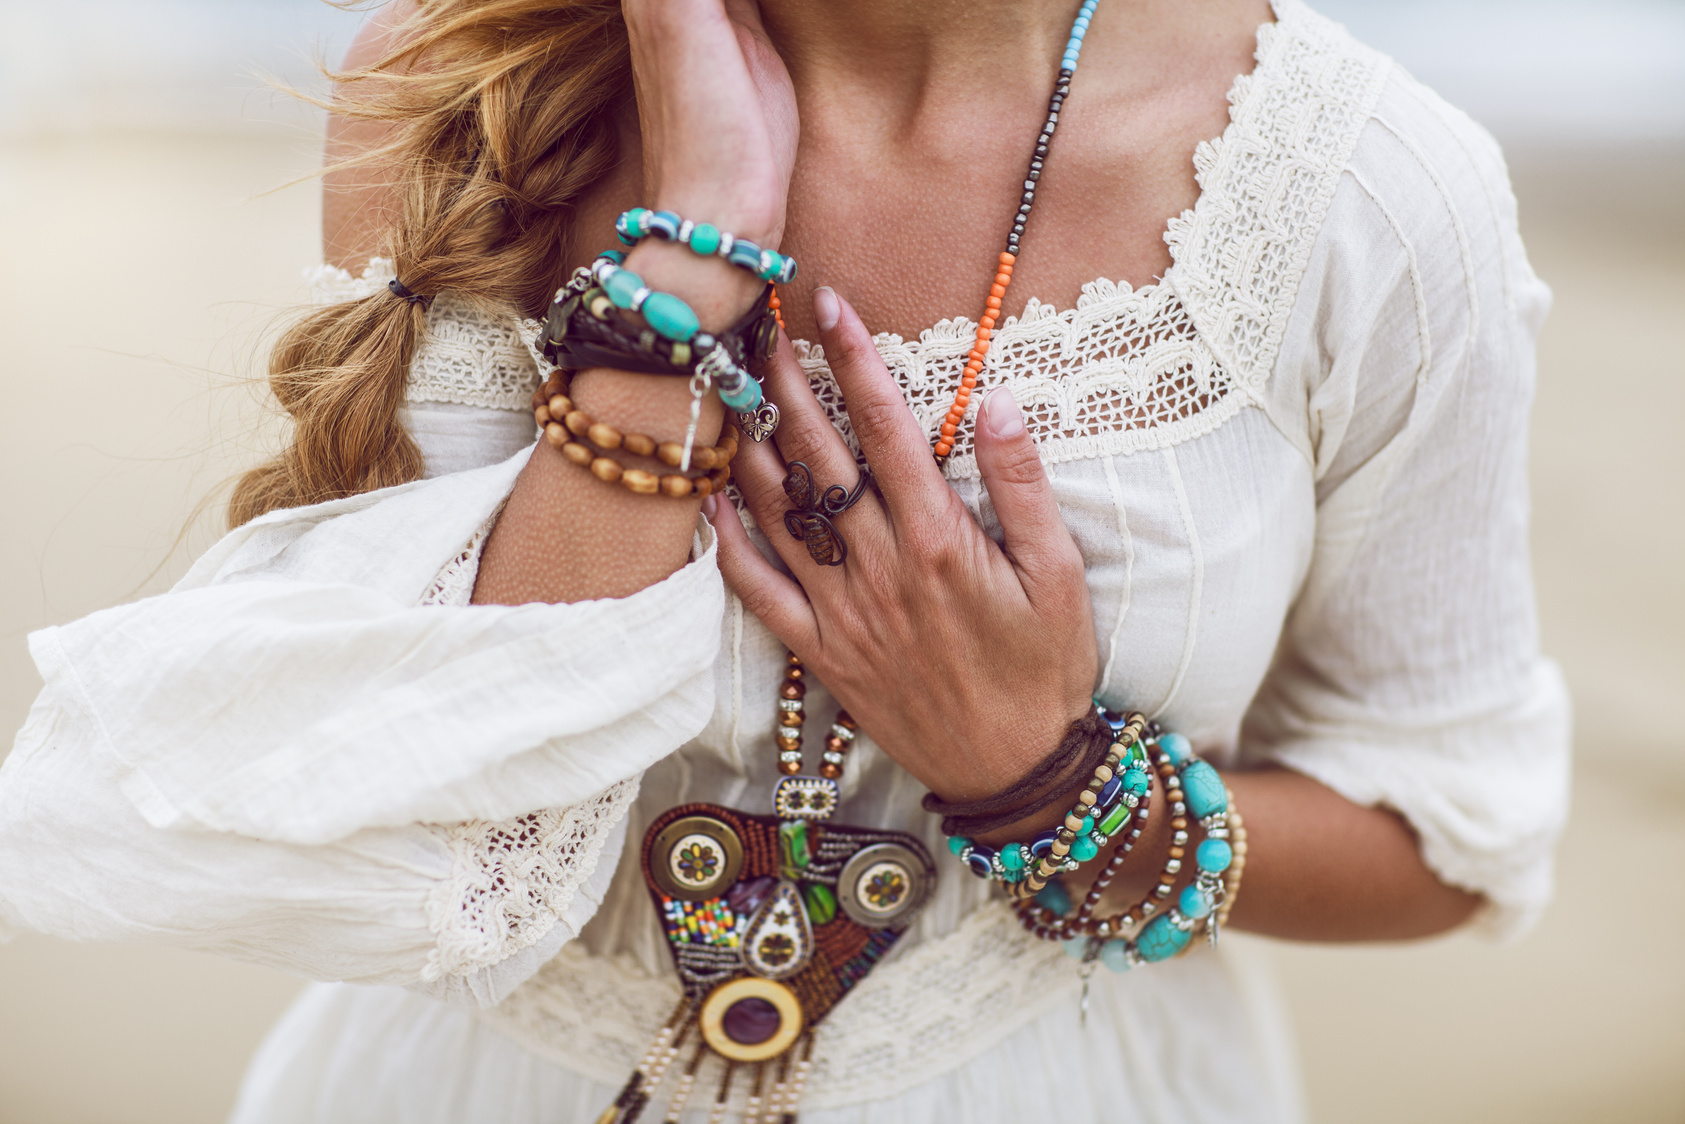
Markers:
888,51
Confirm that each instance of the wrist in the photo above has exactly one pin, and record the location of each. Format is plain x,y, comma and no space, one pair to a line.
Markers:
717,291
658,405
726,211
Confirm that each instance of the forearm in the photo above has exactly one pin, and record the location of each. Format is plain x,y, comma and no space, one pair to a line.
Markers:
565,535
1318,866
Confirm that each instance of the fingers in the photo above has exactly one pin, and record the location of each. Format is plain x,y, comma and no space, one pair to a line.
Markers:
1037,540
891,438
804,434
775,599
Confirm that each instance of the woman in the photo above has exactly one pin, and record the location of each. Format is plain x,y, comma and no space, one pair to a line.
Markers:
1258,475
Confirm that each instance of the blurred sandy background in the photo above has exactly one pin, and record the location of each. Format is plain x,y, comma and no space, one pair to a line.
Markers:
143,257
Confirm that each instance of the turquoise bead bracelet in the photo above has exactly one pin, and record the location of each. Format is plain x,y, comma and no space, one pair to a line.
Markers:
1180,771
673,319
1192,785
706,239
1103,810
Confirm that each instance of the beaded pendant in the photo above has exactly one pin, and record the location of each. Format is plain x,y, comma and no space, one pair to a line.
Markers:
771,921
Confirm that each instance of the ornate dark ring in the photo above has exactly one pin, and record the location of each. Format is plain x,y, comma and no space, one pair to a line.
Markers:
810,519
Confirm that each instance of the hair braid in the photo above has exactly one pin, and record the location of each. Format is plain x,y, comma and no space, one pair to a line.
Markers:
502,115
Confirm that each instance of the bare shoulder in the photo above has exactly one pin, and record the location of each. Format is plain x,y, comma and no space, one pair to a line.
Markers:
357,200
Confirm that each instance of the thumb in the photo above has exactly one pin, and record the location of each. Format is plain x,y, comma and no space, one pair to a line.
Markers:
1036,538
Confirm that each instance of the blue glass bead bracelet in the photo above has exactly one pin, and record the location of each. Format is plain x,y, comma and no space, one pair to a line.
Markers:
706,239
1190,785
583,329
1104,809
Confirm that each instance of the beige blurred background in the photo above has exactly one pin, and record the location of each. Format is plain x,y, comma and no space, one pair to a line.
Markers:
145,253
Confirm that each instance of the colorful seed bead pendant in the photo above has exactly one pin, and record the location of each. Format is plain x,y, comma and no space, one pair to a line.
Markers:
770,921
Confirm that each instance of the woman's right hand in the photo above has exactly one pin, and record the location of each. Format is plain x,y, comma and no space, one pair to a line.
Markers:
717,112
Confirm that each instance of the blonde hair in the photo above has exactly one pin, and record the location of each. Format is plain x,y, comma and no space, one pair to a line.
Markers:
502,115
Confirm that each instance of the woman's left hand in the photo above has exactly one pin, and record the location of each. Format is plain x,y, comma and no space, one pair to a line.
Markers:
965,661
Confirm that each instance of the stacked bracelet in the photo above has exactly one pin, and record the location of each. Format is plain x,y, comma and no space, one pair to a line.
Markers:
582,330
1190,784
1102,810
1202,906
705,239
586,442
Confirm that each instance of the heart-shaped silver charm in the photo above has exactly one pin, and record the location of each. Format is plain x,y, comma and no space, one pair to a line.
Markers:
761,424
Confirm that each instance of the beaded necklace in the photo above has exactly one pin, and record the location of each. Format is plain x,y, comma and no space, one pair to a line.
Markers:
771,920
1009,256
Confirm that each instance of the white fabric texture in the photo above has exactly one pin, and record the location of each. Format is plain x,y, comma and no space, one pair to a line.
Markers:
470,356
1295,468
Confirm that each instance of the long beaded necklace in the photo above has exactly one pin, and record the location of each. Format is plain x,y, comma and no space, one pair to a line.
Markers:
771,920
1009,256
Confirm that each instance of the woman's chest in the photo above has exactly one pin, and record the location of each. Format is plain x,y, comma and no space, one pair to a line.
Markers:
1193,555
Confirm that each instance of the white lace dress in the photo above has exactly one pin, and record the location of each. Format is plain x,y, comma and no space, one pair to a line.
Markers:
1295,468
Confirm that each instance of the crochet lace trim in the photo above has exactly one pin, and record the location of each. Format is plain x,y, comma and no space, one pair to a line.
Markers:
918,1015
1130,369
1126,369
471,355
510,880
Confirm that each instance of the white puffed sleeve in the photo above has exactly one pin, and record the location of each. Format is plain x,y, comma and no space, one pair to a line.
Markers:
289,758
1409,674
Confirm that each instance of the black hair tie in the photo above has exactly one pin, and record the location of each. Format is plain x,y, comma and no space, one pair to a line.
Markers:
399,289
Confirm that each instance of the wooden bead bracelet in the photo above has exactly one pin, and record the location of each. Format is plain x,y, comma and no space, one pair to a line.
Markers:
586,441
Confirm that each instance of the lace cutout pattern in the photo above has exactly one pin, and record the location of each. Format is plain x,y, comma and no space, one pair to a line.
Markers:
919,1014
1267,182
454,584
1131,369
510,879
471,355
1123,370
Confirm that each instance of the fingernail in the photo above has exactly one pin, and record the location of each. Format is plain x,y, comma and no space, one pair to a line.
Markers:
826,308
1000,411
708,506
